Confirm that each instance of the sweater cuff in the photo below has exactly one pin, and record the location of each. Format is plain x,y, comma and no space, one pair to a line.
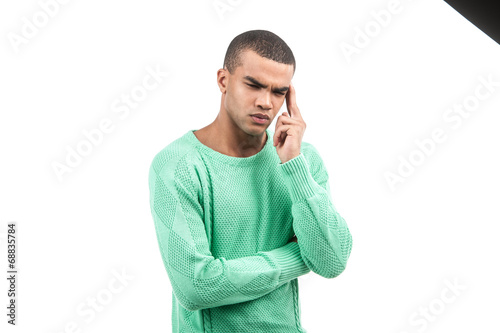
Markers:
290,261
298,177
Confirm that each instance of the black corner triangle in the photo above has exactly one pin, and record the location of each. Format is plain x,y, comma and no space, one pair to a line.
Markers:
484,14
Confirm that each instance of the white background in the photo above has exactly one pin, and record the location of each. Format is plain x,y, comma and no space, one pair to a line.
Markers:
363,112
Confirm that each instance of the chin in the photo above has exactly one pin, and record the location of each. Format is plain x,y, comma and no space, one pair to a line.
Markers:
255,131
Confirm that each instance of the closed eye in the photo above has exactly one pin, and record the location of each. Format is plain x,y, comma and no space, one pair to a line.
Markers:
257,87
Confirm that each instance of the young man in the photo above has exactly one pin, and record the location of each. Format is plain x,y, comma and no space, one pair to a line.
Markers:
227,199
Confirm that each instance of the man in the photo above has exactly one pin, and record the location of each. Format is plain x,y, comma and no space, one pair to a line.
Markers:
226,200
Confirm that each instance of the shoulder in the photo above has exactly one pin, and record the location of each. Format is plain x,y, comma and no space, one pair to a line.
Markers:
309,150
314,161
313,157
175,159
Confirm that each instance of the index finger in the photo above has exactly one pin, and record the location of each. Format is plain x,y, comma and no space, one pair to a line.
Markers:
291,103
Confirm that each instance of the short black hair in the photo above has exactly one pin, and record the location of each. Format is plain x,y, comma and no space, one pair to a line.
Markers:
264,43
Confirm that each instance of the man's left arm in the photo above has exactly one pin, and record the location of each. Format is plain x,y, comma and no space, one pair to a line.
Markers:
323,236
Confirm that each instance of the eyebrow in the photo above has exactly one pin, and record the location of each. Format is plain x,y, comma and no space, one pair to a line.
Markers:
257,83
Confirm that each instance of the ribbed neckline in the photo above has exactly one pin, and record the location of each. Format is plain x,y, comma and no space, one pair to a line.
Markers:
240,161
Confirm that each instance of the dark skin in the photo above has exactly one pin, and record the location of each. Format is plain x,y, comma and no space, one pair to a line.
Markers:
290,129
258,85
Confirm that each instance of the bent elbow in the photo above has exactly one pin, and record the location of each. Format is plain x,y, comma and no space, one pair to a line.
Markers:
338,262
187,298
192,306
333,273
188,302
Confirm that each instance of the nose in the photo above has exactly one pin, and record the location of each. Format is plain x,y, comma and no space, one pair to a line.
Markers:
264,100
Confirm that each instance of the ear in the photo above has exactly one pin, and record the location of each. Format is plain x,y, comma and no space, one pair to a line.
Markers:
222,78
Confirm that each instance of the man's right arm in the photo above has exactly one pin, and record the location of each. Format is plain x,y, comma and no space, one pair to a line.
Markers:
198,279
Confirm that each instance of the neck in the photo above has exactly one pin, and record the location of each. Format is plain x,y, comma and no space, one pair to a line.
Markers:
224,136
236,142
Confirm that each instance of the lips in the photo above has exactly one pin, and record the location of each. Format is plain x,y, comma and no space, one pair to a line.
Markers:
260,115
260,119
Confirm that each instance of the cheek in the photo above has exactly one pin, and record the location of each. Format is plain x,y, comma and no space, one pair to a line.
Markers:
246,100
277,104
236,102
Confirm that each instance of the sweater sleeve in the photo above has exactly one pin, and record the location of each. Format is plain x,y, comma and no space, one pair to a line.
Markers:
322,234
198,279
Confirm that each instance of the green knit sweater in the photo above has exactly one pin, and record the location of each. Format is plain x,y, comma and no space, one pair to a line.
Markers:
223,226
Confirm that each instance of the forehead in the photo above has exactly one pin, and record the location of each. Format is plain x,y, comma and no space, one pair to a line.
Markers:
264,70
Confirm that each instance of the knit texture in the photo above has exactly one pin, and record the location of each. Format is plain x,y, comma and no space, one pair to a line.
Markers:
223,226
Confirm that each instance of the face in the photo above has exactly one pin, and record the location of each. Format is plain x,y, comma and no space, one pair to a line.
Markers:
259,85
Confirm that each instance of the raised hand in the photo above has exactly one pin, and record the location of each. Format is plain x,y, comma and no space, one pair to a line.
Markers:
290,128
